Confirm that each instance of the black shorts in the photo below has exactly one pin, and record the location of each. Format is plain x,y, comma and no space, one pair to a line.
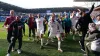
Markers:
67,29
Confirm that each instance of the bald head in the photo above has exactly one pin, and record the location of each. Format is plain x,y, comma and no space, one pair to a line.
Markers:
30,15
11,12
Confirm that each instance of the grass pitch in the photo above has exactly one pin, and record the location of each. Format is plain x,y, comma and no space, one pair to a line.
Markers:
30,48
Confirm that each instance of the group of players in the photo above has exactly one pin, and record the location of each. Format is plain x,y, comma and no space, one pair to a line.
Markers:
58,27
38,26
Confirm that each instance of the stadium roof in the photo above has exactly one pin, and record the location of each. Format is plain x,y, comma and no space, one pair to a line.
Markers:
7,7
31,4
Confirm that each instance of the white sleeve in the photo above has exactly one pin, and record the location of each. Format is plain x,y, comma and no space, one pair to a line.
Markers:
77,14
98,22
49,26
60,27
71,16
36,20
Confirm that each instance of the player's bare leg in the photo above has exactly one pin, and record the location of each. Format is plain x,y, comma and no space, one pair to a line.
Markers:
59,44
42,40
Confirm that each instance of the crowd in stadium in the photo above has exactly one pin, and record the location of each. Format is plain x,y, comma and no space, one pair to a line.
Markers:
57,26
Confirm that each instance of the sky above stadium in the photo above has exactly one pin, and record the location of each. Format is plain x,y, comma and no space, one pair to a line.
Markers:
47,3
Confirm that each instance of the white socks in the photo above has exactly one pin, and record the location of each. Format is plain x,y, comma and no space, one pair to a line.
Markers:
41,41
47,42
59,44
52,40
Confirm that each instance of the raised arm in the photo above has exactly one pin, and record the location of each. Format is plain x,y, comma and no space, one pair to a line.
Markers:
71,15
91,9
79,11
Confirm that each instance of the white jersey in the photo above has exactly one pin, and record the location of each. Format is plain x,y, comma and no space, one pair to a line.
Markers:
73,19
78,15
54,27
39,22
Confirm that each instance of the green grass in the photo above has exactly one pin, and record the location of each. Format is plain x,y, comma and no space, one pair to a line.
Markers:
30,48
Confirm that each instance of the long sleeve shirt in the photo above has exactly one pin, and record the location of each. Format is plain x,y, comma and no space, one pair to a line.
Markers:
85,20
16,30
8,21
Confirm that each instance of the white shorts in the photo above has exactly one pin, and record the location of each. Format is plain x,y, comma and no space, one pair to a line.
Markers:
61,31
39,32
73,28
51,35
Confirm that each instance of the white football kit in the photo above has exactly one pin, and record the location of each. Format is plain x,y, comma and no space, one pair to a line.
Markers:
54,28
74,20
40,27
